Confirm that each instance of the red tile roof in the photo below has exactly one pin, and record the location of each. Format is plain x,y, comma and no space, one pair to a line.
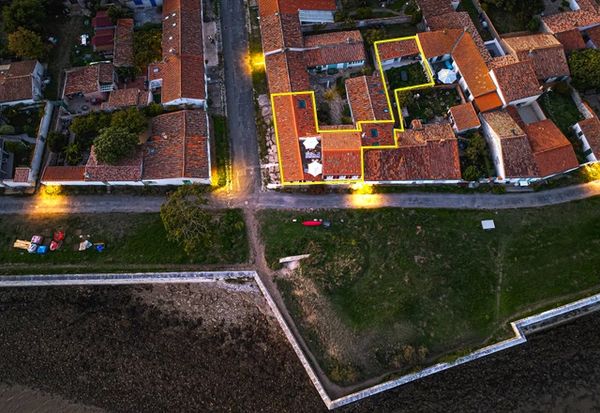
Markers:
182,68
289,129
465,117
439,42
428,153
21,174
366,97
122,98
267,7
334,48
341,153
178,147
461,21
546,53
87,79
472,67
127,169
101,20
571,40
123,53
517,81
517,156
594,35
397,49
587,15
552,151
104,40
432,8
16,81
591,130
286,72
63,173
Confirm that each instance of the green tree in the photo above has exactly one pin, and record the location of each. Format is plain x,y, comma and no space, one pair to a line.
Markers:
185,221
7,129
24,13
131,119
116,12
373,35
147,46
73,154
114,144
86,128
585,68
57,141
27,44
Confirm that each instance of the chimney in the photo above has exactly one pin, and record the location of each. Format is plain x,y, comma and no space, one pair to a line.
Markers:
416,124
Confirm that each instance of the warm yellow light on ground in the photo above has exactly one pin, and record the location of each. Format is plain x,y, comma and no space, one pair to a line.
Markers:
591,172
363,196
50,199
258,61
361,189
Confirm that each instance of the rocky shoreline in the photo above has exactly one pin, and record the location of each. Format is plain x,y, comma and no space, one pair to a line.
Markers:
215,347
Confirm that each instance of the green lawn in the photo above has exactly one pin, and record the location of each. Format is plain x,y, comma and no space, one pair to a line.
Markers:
133,242
426,104
222,150
392,290
409,75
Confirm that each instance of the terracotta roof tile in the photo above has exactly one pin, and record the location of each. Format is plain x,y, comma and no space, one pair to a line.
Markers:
571,40
286,110
267,7
127,169
178,147
16,81
544,50
87,79
432,8
517,156
123,53
593,34
122,98
286,72
552,151
429,153
587,15
465,117
472,67
334,48
397,49
63,173
439,42
366,97
462,21
21,174
101,20
517,81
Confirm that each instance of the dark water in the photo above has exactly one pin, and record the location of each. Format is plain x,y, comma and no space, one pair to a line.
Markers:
103,347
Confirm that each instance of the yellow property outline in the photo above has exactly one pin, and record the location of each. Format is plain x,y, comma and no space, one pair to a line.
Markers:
359,128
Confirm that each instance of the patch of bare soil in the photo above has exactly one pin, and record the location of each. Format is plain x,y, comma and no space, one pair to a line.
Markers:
349,354
161,348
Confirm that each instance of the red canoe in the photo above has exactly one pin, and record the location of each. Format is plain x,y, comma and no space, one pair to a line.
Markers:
312,223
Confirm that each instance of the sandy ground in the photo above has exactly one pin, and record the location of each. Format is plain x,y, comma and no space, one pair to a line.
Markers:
213,348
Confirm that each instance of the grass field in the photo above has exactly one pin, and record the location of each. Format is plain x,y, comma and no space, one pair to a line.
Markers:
393,290
133,242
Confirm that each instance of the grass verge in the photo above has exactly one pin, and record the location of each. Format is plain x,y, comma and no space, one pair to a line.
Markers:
222,150
133,241
393,290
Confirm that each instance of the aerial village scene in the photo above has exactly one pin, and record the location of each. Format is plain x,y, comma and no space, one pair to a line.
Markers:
299,205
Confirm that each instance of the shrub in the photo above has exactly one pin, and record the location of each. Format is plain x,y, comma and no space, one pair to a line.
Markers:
7,129
73,154
585,68
114,144
57,142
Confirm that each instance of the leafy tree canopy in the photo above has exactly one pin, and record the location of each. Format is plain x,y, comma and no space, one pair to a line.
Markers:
27,44
113,144
24,13
585,68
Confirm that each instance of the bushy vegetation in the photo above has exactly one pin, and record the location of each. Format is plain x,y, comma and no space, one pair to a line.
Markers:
214,236
476,162
513,15
409,75
585,68
147,46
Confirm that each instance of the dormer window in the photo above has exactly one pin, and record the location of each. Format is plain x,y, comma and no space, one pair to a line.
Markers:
302,104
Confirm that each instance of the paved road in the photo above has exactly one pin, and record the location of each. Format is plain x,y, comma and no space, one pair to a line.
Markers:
240,100
275,200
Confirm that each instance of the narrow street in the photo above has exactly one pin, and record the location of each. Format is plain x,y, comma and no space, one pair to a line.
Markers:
240,101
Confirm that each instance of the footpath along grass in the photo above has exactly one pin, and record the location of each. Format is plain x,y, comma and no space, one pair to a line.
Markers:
408,287
136,241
